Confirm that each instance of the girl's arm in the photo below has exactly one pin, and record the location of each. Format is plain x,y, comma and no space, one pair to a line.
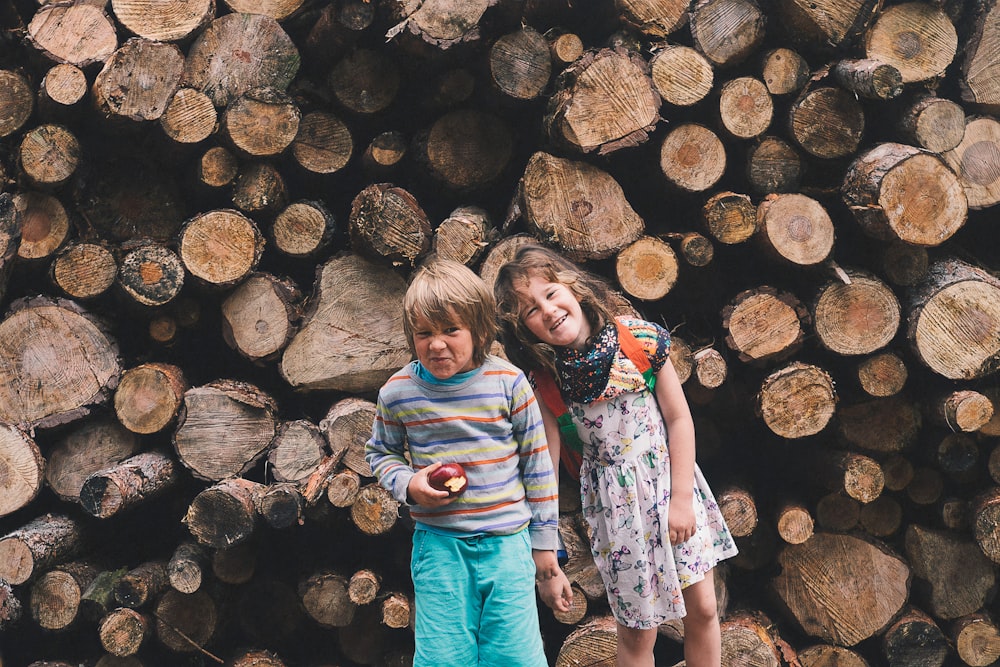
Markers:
680,431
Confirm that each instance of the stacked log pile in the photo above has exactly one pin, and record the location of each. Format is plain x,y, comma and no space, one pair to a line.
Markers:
209,212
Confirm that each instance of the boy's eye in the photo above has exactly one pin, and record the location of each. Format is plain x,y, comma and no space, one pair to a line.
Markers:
451,330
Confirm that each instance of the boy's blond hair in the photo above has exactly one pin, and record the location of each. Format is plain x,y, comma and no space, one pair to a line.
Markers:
444,290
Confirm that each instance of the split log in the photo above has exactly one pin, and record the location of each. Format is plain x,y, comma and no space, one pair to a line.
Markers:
296,451
128,483
577,206
36,546
463,235
764,324
92,446
875,190
388,224
954,326
236,414
603,102
871,587
80,35
347,427
726,31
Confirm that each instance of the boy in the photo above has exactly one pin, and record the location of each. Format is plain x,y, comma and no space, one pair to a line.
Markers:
473,554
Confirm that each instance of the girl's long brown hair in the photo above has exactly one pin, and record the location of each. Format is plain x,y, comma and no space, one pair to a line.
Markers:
521,346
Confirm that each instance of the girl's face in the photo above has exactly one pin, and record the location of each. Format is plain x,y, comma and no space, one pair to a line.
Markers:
443,348
552,312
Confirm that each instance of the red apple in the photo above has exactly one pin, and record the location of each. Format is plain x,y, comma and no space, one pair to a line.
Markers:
449,477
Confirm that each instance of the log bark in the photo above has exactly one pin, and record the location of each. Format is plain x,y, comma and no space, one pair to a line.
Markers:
914,639
131,482
387,223
140,585
138,81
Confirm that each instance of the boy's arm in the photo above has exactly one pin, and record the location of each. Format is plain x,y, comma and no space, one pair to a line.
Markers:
384,454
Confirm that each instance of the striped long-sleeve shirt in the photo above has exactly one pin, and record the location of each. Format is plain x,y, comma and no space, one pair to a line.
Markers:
489,423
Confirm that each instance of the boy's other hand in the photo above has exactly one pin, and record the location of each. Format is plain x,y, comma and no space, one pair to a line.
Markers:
422,493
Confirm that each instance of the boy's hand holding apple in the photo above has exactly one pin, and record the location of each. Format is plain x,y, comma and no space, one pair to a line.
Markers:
438,484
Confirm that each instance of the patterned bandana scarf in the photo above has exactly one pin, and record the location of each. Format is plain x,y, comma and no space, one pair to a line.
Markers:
585,374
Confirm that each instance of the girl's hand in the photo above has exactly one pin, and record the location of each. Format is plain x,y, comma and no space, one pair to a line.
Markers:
421,492
680,521
553,584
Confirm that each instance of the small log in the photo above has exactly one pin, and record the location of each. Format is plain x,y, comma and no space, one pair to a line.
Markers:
795,229
985,514
871,587
564,47
93,445
365,81
835,110
954,577
797,400
856,316
692,157
904,264
577,609
739,508
764,324
325,598
303,229
961,410
957,456
220,248
185,622
397,610
260,190
217,168
343,488
18,101
914,639
151,274
774,166
794,522
296,451
520,64
224,514
84,270
647,268
281,505
954,514
149,396
387,224
681,75
837,512
730,218
36,546
976,638
140,585
696,249
934,123
236,564
580,568
256,658
856,475
603,102
710,368
784,71
98,599
884,425
347,427
882,375
384,154
932,45
745,107
260,123
466,149
55,596
881,517
463,235
875,191
364,586
44,225
123,631
259,317
124,485
869,78
186,567
224,428
375,511
190,117
926,487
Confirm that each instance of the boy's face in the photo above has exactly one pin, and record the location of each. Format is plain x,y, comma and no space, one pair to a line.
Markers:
443,348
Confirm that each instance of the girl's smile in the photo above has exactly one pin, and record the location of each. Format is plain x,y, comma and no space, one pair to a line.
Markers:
552,313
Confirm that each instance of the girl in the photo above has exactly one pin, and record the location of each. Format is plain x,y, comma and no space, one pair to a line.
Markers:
656,530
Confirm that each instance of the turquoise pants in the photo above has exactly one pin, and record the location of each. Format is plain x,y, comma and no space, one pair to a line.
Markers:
475,599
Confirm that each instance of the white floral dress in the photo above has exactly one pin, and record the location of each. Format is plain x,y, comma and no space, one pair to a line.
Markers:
625,490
